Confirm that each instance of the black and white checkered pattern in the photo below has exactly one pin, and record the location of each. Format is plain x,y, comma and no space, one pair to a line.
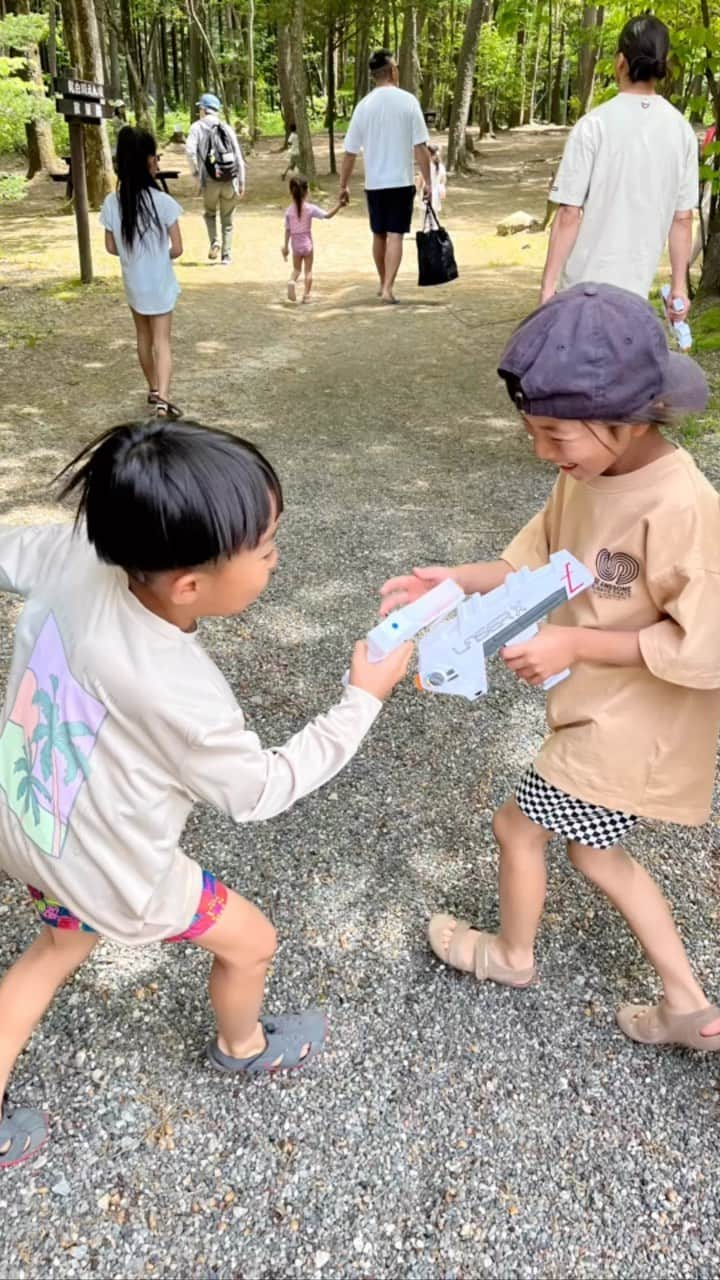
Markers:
572,819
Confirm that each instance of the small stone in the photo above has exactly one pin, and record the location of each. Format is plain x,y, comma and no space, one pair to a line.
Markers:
80,1058
321,1259
467,1230
103,1202
61,1187
519,221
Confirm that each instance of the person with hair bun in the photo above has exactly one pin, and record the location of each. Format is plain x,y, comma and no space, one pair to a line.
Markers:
628,181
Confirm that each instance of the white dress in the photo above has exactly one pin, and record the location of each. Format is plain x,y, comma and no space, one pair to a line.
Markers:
150,284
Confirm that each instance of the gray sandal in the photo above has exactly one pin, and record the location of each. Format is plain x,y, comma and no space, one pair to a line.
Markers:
285,1037
23,1132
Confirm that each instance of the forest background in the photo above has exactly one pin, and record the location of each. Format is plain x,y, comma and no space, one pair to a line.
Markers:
478,66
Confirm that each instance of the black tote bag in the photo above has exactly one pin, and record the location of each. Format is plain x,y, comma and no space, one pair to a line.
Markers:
436,257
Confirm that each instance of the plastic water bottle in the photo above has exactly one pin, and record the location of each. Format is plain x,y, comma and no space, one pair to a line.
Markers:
680,328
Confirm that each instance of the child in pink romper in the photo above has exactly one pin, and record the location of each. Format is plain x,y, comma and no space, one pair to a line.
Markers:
298,235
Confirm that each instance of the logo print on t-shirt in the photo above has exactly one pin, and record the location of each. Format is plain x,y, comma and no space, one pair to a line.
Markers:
46,743
615,572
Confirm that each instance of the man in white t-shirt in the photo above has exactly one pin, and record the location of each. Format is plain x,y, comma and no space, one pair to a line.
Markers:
389,127
628,181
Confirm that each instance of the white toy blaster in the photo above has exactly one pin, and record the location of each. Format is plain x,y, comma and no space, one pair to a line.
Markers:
452,657
404,624
680,328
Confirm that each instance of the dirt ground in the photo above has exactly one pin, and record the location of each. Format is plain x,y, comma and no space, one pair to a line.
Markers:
451,1131
69,351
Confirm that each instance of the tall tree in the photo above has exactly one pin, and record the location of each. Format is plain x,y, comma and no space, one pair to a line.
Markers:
460,111
590,32
299,87
408,64
82,41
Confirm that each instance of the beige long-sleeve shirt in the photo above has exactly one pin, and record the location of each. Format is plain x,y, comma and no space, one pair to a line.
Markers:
115,723
641,739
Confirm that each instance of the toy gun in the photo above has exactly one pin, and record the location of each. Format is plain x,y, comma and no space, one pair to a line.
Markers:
452,657
680,328
404,624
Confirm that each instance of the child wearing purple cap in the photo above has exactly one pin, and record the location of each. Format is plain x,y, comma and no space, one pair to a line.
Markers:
633,731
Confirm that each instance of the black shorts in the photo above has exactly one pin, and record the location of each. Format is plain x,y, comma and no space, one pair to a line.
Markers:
390,209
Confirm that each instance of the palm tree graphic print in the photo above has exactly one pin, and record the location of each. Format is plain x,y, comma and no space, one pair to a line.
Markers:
46,743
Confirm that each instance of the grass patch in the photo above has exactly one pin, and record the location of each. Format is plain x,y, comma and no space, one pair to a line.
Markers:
706,330
13,187
73,289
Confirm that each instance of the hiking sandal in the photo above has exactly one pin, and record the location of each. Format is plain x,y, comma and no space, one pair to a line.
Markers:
285,1037
164,409
23,1133
153,396
654,1024
485,967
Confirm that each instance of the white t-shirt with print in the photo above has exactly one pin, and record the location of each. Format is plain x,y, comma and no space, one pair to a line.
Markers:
150,284
631,164
115,723
385,126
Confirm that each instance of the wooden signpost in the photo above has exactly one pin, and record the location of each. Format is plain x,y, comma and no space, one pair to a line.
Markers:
81,102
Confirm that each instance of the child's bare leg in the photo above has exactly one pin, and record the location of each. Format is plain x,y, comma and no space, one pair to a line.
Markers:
308,265
30,984
637,897
242,943
522,889
143,333
297,263
161,329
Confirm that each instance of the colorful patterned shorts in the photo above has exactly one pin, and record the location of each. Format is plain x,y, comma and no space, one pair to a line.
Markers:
209,909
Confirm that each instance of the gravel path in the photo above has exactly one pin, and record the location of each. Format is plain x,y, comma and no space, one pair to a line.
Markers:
450,1131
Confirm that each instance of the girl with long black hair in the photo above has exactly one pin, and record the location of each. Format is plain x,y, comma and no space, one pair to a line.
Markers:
142,229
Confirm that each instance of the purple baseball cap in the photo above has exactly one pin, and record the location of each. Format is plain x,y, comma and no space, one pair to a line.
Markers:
600,353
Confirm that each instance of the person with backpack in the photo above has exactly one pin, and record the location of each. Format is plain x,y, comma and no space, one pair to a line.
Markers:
217,160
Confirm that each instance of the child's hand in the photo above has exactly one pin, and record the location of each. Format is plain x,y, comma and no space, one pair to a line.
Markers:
397,592
379,678
284,253
550,652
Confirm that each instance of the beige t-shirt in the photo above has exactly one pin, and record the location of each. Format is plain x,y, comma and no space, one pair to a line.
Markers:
641,739
115,723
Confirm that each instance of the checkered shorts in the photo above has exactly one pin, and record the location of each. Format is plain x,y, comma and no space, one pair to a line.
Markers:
572,819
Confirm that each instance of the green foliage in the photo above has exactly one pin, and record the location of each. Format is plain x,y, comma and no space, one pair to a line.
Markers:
20,99
23,30
497,74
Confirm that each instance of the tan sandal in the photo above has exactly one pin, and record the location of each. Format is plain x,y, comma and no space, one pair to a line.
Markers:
654,1024
485,967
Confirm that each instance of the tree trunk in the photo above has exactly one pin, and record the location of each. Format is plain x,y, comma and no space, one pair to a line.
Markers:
464,83
297,63
195,59
177,91
710,279
138,96
556,95
287,104
42,157
159,69
362,57
251,70
408,59
80,36
536,65
592,21
331,106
